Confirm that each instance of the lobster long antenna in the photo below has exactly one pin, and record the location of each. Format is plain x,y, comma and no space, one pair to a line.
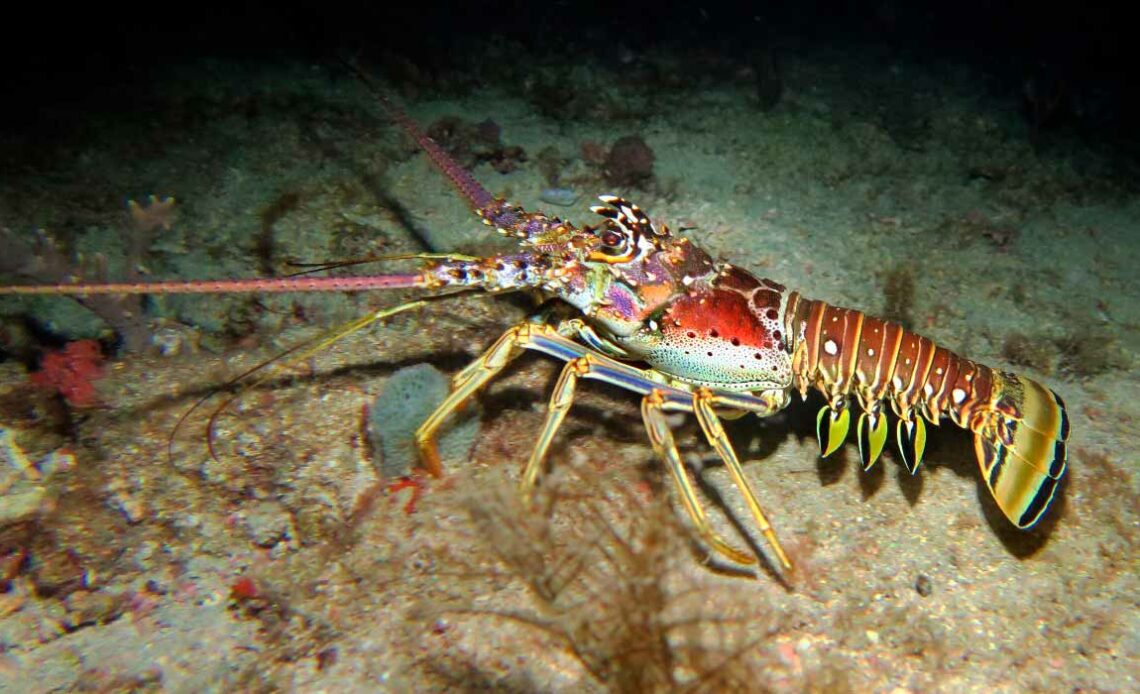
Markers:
478,197
277,285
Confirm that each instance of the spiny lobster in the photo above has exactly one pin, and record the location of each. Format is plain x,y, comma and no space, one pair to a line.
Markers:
652,313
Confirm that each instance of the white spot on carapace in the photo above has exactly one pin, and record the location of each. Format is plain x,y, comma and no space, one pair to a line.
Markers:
938,371
831,348
870,351
653,325
928,390
897,383
686,280
958,395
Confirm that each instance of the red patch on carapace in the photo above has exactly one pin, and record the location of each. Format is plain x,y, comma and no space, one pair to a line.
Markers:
721,314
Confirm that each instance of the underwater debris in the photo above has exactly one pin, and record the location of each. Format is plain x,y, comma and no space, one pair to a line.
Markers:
474,143
977,224
629,162
604,579
923,585
898,294
1090,353
72,372
46,261
563,197
1021,350
768,76
23,483
157,213
550,163
593,153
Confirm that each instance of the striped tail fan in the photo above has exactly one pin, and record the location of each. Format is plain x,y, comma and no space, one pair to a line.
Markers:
1020,443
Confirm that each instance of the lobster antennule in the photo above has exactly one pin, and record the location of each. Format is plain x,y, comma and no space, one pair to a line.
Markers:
1020,441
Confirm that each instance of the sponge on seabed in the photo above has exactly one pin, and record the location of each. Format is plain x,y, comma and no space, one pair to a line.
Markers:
407,399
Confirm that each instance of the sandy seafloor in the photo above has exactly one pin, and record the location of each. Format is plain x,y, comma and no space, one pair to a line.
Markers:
284,565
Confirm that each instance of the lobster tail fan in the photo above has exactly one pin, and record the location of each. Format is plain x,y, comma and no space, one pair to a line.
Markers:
1019,438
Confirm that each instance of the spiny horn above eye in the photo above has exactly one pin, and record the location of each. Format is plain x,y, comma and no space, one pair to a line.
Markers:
628,215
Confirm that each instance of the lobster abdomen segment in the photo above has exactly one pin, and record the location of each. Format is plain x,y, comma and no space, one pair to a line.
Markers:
1020,426
844,352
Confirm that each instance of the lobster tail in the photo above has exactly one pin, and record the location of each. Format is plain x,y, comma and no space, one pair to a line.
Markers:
1020,426
1019,438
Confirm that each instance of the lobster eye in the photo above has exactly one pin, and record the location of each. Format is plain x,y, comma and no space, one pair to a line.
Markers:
616,244
612,238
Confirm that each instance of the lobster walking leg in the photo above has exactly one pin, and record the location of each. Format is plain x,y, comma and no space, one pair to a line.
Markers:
262,372
479,372
704,402
583,362
467,383
661,437
560,401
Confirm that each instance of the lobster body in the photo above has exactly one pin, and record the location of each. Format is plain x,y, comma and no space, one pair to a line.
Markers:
651,297
655,315
707,325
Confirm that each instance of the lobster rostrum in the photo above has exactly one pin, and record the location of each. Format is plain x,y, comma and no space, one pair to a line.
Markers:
654,314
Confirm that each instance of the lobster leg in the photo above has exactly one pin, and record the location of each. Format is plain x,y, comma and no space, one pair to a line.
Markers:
583,362
479,372
661,437
260,373
704,401
560,401
465,384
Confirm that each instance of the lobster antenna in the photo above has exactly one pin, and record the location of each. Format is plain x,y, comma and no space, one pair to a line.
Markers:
476,195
